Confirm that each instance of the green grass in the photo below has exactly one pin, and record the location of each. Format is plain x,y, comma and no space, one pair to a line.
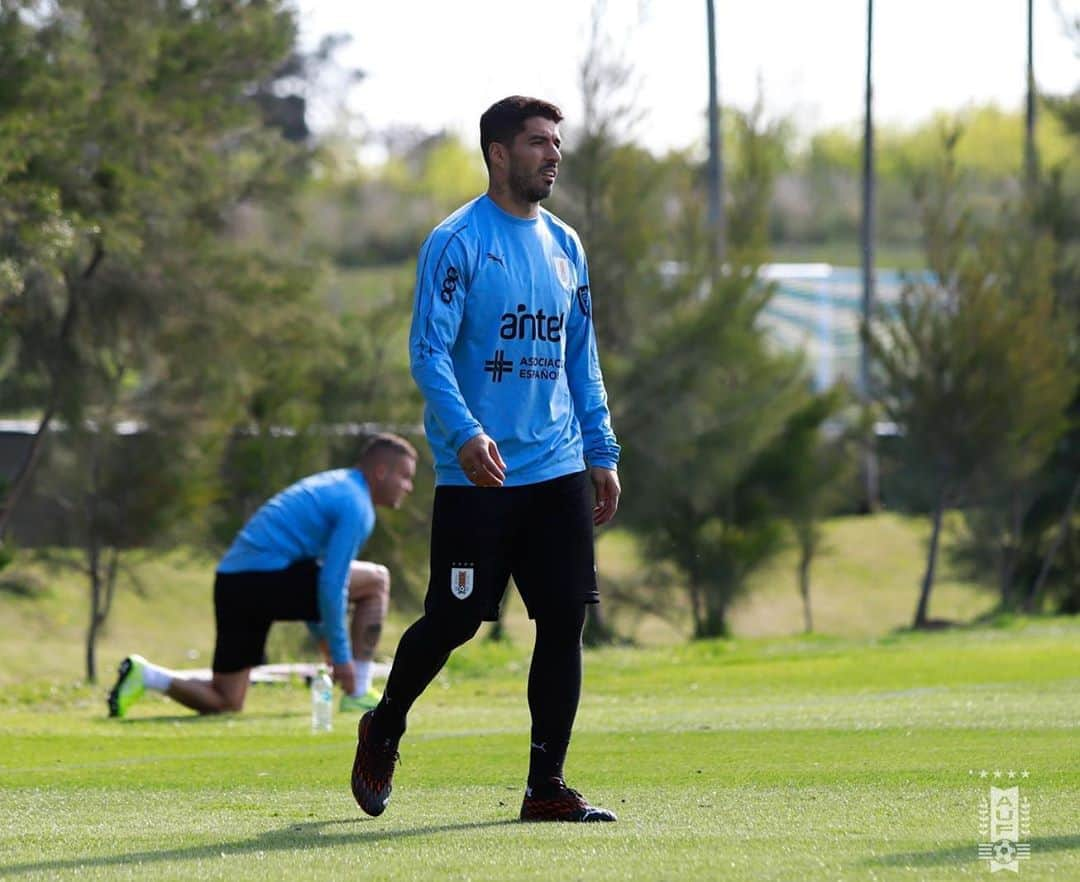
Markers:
865,583
765,757
793,758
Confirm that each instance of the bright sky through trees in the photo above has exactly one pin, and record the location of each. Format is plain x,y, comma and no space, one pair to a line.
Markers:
438,65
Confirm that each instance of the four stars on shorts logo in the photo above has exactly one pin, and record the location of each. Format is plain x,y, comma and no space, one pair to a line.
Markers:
498,366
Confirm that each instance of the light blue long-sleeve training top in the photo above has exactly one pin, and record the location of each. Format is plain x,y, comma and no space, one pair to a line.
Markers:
329,517
502,342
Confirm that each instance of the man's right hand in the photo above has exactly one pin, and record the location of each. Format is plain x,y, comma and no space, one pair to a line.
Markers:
480,460
345,676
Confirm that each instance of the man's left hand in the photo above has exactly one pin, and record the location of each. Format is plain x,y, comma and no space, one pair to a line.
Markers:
608,490
345,676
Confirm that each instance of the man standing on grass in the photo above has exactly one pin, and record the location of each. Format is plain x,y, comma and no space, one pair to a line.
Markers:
294,561
503,350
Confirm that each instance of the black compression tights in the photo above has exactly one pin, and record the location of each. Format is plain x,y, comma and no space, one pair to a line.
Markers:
554,691
554,681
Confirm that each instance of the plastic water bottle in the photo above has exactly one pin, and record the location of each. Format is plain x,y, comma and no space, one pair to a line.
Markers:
322,701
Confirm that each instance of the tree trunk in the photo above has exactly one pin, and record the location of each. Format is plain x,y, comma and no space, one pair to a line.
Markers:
714,624
56,380
498,632
1010,553
26,468
110,583
95,616
713,621
597,631
931,564
697,610
806,555
1034,594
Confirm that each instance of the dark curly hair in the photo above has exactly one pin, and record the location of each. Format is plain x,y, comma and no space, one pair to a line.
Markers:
504,119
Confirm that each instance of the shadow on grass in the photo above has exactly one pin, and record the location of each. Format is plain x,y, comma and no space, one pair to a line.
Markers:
293,837
965,854
190,718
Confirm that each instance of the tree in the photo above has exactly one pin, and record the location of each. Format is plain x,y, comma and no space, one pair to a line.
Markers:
140,136
1049,551
122,492
818,200
1003,500
973,365
709,395
804,476
282,343
612,192
134,141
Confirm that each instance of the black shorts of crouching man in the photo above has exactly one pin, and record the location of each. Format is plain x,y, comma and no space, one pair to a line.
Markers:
246,604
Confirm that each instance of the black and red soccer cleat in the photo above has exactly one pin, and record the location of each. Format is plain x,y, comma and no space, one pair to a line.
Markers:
373,768
554,801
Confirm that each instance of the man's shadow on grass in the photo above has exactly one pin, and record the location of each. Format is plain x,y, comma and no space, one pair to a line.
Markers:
194,719
292,838
965,854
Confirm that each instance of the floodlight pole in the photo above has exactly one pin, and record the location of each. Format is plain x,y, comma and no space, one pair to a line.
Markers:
870,460
1031,159
716,152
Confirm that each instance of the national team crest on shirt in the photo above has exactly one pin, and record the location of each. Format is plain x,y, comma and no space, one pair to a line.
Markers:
562,270
461,581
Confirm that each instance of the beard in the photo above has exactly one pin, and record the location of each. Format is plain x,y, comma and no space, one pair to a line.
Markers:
528,187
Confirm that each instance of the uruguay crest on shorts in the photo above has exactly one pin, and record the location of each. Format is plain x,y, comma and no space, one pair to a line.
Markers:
461,581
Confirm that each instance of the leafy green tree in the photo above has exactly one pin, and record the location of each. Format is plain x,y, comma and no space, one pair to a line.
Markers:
136,140
706,395
374,391
121,492
974,364
804,476
362,215
373,383
818,200
612,191
1050,540
144,137
283,342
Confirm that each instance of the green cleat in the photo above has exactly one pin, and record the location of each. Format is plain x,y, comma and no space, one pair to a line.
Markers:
129,686
364,702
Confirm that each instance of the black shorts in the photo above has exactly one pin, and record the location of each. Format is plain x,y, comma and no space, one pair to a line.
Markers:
247,604
541,534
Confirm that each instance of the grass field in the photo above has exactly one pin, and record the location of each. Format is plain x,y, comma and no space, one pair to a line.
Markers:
822,758
771,756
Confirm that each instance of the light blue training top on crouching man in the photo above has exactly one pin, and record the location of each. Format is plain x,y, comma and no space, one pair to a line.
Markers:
328,517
